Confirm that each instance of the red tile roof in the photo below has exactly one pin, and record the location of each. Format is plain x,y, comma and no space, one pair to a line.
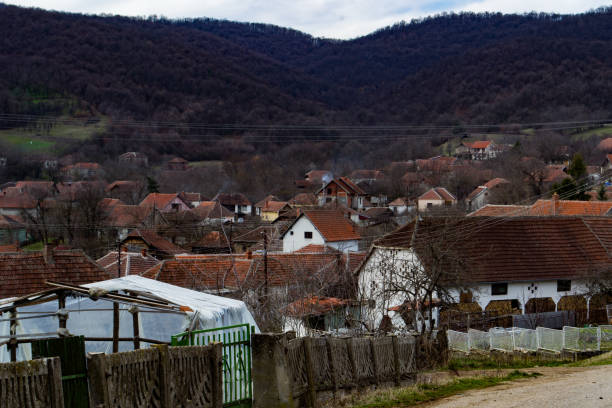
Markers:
496,182
605,145
9,248
262,203
128,215
517,249
570,207
275,206
124,185
304,199
232,199
332,225
26,272
476,192
132,263
315,305
22,201
10,222
400,201
158,200
437,193
479,144
495,210
211,210
222,271
156,241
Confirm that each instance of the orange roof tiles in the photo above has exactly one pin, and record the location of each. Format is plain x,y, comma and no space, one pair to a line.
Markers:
224,271
605,145
158,200
517,249
156,241
495,210
332,225
275,206
570,207
496,182
304,199
437,193
479,144
132,263
26,273
212,210
315,305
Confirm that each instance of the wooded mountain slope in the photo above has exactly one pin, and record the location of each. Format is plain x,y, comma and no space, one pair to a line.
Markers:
470,68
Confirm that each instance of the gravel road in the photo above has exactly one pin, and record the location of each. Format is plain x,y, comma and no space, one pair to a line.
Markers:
558,388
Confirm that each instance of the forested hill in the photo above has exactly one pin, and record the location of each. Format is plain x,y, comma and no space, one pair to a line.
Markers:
486,68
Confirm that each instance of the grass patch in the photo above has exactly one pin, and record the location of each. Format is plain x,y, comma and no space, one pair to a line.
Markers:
602,359
40,139
602,131
466,364
405,397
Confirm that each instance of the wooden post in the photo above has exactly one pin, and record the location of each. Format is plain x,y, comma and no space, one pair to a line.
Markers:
54,374
351,354
312,390
333,364
115,327
374,360
12,344
136,325
217,374
396,360
164,376
98,386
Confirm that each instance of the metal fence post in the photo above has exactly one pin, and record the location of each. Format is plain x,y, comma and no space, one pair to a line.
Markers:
598,338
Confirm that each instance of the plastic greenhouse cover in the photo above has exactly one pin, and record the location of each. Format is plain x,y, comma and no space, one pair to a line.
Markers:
94,318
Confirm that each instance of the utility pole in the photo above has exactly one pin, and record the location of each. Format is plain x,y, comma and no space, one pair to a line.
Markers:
265,265
118,259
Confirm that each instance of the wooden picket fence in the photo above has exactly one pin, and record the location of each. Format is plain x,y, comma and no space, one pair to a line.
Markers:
160,376
330,364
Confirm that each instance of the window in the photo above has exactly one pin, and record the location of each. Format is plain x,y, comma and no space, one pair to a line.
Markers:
175,206
329,191
564,285
499,289
291,233
429,205
308,234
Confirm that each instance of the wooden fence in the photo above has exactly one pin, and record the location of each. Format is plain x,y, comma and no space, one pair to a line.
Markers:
36,384
160,377
157,377
330,364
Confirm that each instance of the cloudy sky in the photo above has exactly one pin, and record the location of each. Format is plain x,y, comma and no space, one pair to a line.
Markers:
326,18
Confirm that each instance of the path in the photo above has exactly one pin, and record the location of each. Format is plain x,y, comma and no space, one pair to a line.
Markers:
558,387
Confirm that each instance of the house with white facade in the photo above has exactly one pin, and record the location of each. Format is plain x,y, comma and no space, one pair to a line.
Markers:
523,264
436,197
478,150
482,195
321,227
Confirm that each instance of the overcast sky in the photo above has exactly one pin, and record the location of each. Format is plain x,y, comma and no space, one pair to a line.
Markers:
326,18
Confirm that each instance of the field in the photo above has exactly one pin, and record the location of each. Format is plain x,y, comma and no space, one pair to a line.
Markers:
39,139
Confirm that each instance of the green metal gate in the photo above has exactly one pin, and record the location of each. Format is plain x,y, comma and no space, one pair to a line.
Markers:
71,351
237,383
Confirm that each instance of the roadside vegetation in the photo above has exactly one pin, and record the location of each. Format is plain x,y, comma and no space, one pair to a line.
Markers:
414,395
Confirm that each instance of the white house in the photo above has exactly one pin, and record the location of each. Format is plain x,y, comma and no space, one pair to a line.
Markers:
526,264
401,205
478,150
435,197
321,227
481,195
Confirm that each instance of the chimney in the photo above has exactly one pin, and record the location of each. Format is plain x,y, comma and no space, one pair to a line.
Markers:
555,203
249,255
48,254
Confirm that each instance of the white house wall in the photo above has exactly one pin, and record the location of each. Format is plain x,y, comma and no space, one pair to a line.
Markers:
294,239
423,204
374,276
345,246
523,291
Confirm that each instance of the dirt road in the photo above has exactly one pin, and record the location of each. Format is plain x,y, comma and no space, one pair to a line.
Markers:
558,388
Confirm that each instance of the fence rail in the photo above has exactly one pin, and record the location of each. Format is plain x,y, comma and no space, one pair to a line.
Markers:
515,338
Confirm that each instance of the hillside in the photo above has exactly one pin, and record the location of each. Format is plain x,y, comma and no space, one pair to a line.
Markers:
451,69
